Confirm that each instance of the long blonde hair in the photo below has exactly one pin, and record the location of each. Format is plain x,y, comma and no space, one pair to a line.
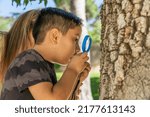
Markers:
18,38
2,35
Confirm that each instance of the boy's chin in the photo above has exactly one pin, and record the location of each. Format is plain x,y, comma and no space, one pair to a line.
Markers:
64,63
61,63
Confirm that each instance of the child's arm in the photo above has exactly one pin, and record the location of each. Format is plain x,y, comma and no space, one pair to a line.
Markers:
64,87
81,78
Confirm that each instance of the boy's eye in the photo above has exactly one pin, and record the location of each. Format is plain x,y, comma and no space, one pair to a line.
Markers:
76,40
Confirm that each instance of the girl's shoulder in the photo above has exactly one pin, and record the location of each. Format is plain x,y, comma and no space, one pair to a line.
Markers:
27,56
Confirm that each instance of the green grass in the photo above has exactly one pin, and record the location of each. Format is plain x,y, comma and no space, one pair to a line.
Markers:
95,80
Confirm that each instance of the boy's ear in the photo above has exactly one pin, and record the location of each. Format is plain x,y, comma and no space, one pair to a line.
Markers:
54,35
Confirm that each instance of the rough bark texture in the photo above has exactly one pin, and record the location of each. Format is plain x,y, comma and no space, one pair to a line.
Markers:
125,49
78,7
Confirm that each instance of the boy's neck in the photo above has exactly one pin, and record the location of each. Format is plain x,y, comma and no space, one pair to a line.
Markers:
43,52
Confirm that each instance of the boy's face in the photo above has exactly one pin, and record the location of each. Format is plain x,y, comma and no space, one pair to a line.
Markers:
68,45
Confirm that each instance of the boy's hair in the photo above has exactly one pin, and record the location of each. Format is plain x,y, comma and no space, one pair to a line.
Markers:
50,18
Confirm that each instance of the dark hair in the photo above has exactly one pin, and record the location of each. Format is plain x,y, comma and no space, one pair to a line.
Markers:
54,18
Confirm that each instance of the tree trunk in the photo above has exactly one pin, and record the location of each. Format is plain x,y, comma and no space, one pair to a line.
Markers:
78,8
125,49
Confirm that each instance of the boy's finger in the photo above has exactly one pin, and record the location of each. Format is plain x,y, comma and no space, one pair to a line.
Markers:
81,84
84,55
88,67
86,58
77,97
79,91
87,64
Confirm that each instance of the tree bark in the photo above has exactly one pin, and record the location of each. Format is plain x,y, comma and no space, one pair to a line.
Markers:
78,8
125,49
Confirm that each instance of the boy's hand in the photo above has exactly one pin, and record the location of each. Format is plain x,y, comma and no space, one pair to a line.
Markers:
78,91
78,62
83,75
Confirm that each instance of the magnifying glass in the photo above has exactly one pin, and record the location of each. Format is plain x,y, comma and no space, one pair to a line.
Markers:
86,44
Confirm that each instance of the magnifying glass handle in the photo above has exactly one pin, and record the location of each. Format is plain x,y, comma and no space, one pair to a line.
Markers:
84,43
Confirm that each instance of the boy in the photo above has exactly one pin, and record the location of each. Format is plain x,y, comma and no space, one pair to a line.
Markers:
31,75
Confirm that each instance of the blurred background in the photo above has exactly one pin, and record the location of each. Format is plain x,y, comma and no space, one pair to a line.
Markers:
11,9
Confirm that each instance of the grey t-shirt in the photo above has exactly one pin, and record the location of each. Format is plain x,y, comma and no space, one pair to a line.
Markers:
28,69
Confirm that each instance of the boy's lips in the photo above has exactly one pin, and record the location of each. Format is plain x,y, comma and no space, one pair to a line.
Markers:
73,55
